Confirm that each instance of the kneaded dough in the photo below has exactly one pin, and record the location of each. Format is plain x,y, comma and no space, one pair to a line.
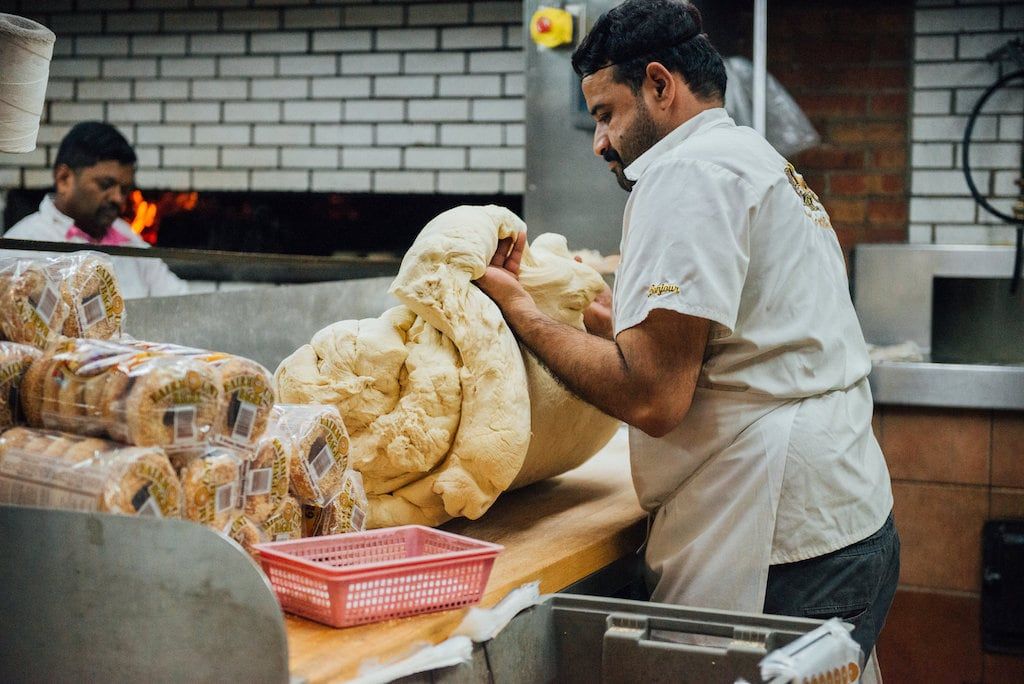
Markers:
566,430
436,394
395,380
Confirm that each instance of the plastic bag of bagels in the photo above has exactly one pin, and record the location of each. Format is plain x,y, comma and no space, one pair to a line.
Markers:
90,289
32,309
345,513
101,388
247,392
15,359
211,487
267,478
56,470
76,295
318,467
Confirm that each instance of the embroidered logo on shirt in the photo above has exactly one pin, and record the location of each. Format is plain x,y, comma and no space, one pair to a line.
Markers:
663,288
812,205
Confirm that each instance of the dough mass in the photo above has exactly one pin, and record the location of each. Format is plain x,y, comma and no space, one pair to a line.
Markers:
437,395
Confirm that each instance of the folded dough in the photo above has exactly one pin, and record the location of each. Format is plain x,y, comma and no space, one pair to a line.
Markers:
436,394
566,430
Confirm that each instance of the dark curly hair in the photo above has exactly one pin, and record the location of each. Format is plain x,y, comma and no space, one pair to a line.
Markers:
630,36
91,142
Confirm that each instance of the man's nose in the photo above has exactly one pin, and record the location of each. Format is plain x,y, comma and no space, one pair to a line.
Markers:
118,195
601,143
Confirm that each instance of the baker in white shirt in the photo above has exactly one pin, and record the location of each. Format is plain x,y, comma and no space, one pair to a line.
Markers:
93,175
735,354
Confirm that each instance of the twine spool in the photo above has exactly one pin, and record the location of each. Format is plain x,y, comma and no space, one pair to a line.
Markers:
25,51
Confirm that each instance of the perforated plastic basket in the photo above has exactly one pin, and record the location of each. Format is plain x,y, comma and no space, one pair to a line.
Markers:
350,579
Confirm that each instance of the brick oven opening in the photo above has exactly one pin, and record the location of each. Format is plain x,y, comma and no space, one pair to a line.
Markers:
314,223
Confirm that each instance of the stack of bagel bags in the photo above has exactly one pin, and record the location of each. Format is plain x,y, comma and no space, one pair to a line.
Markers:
141,428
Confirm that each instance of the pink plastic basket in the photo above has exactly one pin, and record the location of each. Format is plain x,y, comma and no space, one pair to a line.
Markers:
351,579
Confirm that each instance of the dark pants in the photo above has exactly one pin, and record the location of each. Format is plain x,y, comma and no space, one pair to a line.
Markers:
855,583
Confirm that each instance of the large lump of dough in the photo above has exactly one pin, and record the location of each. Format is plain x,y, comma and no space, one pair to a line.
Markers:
436,394
566,430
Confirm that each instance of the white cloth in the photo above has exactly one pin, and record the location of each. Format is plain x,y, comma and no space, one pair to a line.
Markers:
775,461
137,276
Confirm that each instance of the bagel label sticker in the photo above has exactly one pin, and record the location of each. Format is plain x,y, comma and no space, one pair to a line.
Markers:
39,315
47,302
184,424
321,462
225,497
258,481
91,311
244,421
145,504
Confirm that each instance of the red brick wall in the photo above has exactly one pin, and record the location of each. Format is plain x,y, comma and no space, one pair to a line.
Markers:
848,66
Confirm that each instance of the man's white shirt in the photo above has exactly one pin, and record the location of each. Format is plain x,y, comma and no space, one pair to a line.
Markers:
137,276
775,461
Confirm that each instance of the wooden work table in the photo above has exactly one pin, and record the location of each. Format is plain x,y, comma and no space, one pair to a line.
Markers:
557,531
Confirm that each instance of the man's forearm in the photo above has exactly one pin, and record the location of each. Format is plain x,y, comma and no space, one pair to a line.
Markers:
591,367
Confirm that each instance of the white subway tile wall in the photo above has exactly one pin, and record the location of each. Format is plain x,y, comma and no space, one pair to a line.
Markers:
951,72
412,96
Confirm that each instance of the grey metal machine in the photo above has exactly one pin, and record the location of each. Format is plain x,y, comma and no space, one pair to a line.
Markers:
568,189
93,597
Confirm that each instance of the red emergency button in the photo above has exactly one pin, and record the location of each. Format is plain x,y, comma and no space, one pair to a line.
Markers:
543,25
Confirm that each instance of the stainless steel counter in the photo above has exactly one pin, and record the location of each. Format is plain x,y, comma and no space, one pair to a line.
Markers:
893,294
948,385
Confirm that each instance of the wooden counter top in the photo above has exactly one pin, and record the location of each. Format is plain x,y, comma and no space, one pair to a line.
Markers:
557,531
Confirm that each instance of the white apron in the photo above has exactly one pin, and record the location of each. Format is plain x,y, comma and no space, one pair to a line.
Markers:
710,542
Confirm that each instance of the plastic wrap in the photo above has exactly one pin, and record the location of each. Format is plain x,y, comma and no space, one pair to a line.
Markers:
317,472
787,128
90,289
14,362
211,487
246,532
56,470
31,308
266,476
285,522
247,392
346,513
76,295
95,387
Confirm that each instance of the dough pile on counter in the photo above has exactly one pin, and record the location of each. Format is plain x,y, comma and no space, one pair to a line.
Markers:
444,409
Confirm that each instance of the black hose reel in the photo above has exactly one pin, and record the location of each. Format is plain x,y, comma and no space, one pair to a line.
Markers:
1012,50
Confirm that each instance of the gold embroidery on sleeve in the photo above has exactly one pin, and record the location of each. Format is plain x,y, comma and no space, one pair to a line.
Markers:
663,288
812,205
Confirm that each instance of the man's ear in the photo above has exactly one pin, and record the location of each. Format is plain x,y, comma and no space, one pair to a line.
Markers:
63,179
662,84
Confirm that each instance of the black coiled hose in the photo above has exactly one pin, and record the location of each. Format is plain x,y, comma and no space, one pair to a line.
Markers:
1019,223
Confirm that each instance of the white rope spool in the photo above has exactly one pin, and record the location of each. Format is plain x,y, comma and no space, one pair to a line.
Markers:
25,51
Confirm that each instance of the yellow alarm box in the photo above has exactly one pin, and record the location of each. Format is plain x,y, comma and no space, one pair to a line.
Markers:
551,27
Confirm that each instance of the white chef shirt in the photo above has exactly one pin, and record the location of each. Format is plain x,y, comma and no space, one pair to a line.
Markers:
137,276
775,461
